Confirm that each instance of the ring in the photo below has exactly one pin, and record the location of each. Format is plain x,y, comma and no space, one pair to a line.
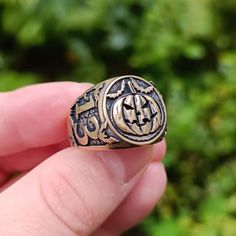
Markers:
121,112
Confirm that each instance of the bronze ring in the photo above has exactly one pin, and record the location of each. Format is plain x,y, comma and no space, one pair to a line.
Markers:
121,112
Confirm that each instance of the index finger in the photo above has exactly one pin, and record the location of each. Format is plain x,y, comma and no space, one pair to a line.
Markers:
35,116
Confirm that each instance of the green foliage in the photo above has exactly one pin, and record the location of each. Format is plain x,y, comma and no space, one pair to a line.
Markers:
186,47
10,80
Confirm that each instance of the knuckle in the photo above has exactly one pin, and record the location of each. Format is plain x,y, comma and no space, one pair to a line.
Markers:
64,199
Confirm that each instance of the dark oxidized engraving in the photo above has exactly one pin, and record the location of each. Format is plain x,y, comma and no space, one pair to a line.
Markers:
86,124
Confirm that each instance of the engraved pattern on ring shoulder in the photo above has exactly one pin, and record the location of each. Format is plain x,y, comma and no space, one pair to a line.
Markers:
87,128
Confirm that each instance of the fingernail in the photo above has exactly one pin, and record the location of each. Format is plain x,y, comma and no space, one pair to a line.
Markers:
126,164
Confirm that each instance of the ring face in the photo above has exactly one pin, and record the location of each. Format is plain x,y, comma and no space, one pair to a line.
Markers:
134,110
122,112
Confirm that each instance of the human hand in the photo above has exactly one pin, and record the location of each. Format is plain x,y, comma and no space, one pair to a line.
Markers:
69,191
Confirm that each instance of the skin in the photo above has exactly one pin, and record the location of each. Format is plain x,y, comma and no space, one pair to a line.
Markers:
62,190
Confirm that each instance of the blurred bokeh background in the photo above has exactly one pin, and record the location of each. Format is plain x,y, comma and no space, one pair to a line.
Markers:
188,48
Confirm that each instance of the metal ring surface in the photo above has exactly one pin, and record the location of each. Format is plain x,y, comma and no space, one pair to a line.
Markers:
121,112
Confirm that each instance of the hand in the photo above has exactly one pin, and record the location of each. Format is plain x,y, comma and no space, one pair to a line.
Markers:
69,191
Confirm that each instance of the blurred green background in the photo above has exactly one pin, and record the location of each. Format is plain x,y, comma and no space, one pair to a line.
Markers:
186,47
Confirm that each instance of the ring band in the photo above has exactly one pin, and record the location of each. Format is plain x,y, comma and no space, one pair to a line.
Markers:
121,112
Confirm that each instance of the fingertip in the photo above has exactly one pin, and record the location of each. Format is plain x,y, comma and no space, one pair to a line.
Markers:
132,160
150,188
159,150
140,202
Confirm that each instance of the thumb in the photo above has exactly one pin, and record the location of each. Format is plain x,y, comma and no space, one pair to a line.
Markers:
71,193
